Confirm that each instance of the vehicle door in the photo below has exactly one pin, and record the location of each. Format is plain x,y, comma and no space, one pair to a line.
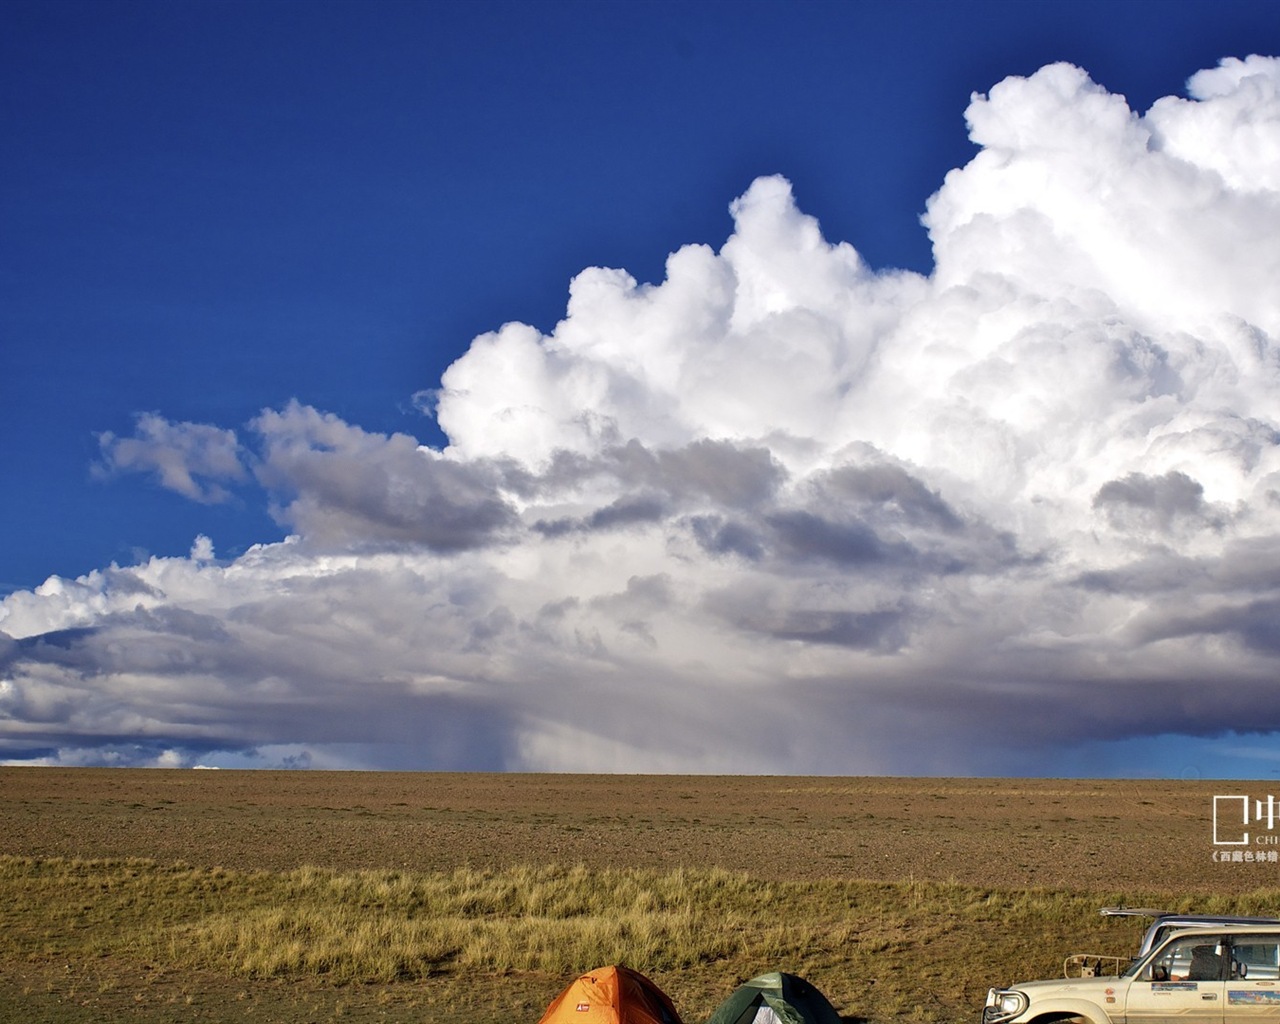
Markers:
1185,980
1253,987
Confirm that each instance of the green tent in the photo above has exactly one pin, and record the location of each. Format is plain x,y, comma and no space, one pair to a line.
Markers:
775,999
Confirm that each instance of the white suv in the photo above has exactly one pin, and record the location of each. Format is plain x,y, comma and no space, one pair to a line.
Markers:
1224,975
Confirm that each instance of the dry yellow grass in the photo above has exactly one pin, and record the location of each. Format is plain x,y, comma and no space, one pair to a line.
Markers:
164,896
867,944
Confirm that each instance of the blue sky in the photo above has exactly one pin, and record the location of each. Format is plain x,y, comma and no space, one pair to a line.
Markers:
215,209
211,208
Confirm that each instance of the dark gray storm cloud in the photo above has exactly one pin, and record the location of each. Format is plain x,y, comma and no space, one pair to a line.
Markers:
338,485
1158,501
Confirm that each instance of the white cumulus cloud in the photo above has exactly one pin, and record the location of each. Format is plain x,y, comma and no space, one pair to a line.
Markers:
193,459
779,512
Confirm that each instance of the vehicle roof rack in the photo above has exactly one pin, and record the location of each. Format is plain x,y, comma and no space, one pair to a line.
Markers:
1134,912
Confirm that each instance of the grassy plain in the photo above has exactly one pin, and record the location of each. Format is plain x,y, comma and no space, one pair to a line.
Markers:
166,896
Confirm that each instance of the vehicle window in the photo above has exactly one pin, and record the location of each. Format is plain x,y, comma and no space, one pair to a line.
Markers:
1256,957
1193,958
1156,935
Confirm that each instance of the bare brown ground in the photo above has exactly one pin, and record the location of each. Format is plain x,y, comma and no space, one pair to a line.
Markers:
1078,834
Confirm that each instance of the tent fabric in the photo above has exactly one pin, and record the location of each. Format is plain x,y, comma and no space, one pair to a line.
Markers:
775,998
611,995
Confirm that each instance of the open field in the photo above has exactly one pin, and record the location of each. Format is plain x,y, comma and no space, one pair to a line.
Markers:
291,897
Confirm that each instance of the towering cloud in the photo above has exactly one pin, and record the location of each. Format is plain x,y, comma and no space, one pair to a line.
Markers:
779,513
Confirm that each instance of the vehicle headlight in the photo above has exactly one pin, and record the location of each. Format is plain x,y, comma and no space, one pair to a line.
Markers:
1002,1005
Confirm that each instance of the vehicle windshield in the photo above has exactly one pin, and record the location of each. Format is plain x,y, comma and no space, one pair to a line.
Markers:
1195,957
1137,964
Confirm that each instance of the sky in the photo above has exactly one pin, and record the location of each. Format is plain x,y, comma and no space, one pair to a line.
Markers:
757,387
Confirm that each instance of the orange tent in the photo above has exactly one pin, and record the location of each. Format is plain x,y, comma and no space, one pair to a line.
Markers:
611,995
